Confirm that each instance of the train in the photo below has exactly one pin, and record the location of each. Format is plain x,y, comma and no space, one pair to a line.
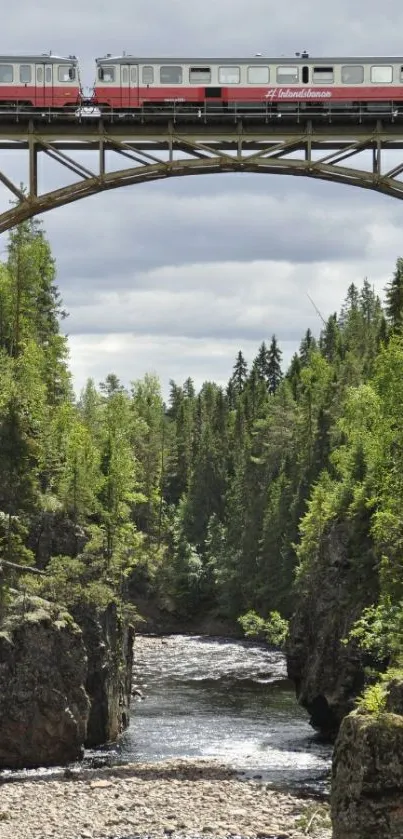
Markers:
132,84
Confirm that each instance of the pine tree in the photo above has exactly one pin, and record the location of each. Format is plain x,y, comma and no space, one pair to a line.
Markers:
307,346
240,374
394,298
293,375
274,374
330,339
261,363
148,439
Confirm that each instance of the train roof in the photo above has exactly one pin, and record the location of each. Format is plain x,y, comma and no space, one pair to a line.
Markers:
43,58
255,59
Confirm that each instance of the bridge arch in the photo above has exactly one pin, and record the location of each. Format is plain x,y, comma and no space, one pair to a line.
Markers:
163,151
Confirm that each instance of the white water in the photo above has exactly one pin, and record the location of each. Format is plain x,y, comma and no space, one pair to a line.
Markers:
221,699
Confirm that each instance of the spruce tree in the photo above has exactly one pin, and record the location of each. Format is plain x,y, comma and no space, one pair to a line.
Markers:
394,299
274,374
330,339
240,374
307,346
261,363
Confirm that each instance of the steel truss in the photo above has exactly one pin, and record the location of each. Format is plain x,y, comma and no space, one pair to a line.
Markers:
163,148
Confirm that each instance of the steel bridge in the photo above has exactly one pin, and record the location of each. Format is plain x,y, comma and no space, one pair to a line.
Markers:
348,149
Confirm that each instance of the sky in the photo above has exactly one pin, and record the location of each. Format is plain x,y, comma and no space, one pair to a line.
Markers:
174,277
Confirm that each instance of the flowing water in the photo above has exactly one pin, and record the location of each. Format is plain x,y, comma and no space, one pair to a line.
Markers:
222,699
217,699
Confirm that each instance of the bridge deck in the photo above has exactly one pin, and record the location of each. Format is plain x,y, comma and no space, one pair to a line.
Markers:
347,149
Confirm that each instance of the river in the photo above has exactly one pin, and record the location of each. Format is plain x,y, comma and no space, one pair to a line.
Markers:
218,699
224,699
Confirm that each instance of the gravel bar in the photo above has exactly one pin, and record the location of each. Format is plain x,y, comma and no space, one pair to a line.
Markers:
177,799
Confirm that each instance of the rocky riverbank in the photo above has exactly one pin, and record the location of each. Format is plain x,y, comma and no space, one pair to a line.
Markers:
174,798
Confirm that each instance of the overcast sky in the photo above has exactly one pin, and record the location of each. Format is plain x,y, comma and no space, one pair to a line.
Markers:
175,277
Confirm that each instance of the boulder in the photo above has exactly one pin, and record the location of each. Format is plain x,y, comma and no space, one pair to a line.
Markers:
327,673
44,707
109,644
367,778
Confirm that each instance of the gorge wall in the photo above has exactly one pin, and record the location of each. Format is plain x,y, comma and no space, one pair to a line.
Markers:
65,682
44,707
327,673
109,645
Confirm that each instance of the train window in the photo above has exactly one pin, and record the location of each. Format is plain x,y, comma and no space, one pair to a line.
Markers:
48,74
125,75
6,73
170,74
66,73
352,74
382,74
106,74
323,74
258,75
133,74
200,75
25,73
148,75
287,75
229,75
39,75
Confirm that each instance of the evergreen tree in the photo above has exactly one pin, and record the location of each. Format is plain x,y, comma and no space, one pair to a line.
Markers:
330,339
261,363
308,345
240,374
394,299
274,374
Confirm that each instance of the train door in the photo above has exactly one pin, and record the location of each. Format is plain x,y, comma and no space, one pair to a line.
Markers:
134,85
124,86
129,85
44,85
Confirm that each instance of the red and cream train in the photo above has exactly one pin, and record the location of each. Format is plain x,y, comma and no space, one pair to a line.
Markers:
129,83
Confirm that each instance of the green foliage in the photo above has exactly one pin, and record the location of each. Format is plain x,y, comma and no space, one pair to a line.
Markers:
273,630
373,699
220,500
379,631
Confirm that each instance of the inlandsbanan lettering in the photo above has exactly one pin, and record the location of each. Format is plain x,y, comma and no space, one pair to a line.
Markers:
301,93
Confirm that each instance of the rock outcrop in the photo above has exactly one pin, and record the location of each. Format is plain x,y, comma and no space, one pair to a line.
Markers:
328,674
44,707
367,782
109,644
55,534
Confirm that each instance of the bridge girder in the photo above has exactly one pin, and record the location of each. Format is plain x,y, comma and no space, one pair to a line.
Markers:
165,149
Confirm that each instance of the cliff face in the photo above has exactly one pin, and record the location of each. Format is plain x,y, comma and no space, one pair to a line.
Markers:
328,674
367,782
43,704
109,645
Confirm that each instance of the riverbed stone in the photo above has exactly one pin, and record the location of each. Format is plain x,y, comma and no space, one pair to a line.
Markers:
153,789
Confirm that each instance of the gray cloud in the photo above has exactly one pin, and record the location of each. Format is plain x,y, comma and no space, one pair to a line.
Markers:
156,27
127,233
169,357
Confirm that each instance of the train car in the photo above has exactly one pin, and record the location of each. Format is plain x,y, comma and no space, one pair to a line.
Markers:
39,81
129,83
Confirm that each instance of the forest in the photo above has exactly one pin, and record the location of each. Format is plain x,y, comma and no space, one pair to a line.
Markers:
219,501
